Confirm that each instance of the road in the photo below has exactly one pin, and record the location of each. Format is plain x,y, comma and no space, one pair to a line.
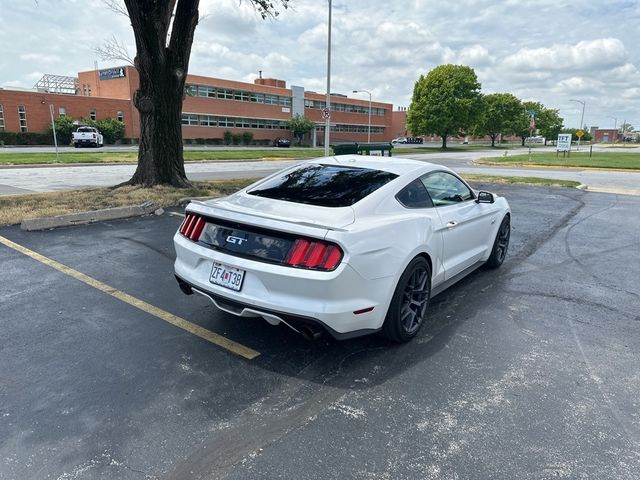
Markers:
50,178
528,372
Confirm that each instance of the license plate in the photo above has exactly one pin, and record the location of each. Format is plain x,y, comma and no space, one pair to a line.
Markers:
226,276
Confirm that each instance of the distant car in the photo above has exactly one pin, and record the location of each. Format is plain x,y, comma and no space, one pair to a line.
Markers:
282,142
400,140
348,244
88,136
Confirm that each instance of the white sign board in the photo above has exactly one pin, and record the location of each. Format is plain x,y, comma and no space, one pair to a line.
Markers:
564,142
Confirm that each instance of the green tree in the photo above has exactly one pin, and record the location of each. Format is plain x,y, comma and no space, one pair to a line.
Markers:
300,125
64,129
445,102
574,138
548,121
500,114
549,124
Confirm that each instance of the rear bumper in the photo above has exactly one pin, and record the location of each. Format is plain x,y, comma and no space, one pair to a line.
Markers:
295,322
289,295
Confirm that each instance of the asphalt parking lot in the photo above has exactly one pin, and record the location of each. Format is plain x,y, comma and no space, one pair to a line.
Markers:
529,372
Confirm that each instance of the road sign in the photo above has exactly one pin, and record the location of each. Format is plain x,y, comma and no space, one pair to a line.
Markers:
326,113
580,133
564,142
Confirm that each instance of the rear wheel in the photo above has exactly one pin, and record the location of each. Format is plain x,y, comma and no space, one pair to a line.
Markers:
408,309
501,244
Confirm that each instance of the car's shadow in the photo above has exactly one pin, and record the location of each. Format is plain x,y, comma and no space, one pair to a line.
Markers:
362,362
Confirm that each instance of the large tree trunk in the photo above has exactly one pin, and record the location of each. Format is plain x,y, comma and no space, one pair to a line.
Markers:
493,140
162,66
444,141
160,157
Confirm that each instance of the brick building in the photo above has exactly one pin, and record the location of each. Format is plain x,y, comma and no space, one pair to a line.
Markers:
606,135
211,107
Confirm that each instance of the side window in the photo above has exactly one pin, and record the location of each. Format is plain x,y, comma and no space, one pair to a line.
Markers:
414,195
446,189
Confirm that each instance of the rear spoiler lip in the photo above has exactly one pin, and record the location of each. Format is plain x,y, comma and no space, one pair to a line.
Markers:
246,217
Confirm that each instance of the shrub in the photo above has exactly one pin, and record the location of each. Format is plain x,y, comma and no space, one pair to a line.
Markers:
111,129
64,129
227,137
247,138
33,138
8,138
237,138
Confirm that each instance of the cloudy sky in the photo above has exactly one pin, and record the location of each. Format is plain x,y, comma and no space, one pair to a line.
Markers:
548,51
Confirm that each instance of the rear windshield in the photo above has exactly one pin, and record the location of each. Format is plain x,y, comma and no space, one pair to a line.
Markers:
324,185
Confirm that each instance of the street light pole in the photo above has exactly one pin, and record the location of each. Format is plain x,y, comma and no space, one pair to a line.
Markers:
581,118
327,121
369,130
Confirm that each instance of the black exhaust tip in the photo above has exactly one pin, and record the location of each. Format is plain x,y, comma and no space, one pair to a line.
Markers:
310,333
184,286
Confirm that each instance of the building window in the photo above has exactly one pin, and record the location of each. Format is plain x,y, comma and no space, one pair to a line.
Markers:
208,121
62,112
205,91
1,119
120,116
233,122
22,116
189,119
92,115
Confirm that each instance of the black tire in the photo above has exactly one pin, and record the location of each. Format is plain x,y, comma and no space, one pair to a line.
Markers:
500,244
75,145
410,302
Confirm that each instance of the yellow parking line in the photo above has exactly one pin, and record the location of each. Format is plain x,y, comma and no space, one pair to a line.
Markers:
197,330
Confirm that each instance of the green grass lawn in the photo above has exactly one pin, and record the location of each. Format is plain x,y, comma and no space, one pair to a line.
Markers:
27,158
15,208
577,159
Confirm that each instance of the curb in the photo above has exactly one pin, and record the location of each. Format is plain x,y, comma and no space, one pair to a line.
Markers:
82,218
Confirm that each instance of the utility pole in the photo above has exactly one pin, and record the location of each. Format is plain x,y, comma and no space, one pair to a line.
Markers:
327,120
581,119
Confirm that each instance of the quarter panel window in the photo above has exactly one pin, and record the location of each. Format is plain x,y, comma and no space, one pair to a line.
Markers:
415,195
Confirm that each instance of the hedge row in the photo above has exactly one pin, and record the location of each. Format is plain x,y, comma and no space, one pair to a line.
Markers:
25,138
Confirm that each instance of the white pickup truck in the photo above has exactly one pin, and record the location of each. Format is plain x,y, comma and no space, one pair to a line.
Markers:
87,136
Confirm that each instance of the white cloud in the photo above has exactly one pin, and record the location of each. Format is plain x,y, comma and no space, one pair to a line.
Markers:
540,50
600,53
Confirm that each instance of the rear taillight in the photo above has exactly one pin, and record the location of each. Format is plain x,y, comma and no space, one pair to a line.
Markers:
314,254
192,226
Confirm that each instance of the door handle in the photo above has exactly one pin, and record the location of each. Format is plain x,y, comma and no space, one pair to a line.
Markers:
452,224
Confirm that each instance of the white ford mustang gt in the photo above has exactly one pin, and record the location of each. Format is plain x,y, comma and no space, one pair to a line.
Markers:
348,244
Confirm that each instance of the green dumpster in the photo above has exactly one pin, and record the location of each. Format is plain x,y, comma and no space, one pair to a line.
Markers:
345,149
377,148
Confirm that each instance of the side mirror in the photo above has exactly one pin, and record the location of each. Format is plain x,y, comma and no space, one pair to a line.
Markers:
485,197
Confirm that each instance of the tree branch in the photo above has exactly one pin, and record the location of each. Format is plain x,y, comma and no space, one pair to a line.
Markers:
117,7
112,49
